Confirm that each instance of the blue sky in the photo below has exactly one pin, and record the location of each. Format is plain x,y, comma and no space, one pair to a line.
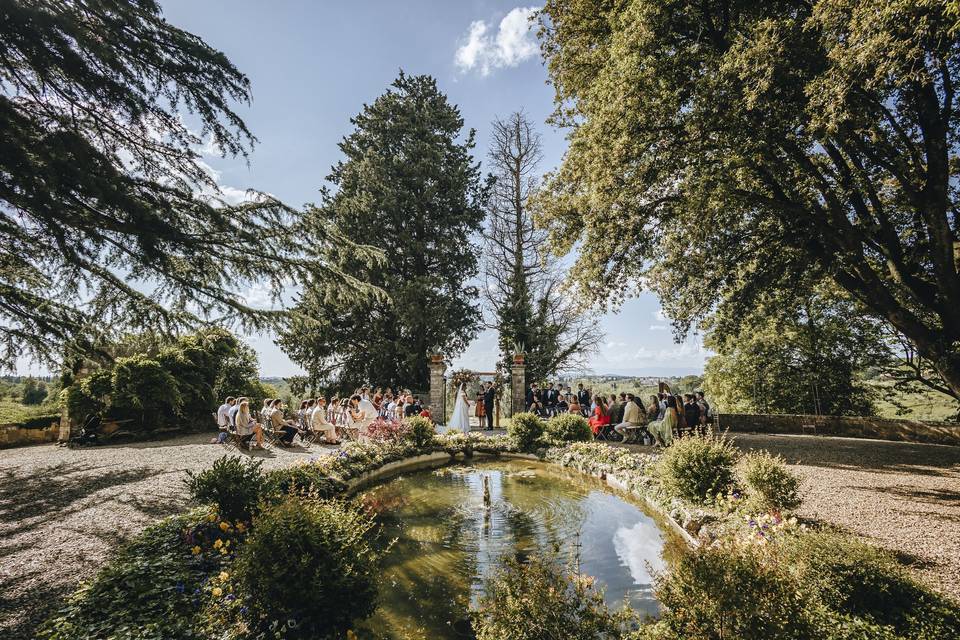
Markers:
313,65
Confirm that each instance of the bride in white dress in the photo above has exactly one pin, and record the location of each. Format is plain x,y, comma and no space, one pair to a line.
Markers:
460,421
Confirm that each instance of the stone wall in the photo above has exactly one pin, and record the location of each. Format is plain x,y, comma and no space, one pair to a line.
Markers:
851,427
14,435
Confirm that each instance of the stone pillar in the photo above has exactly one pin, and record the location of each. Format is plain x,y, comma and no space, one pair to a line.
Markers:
437,388
518,385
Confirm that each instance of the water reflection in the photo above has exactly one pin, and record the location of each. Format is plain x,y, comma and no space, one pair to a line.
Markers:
448,541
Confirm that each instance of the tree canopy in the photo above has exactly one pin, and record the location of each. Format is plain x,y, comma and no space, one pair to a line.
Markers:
741,146
109,219
408,189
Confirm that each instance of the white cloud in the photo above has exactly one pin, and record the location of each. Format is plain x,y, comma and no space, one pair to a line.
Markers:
616,345
513,43
658,327
660,315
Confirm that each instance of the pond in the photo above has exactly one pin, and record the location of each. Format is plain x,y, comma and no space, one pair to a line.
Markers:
447,541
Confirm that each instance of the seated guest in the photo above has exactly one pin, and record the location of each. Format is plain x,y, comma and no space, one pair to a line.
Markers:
538,409
320,424
653,411
278,422
359,418
223,419
247,428
232,412
266,410
631,423
615,409
573,406
662,430
562,406
413,408
599,418
426,414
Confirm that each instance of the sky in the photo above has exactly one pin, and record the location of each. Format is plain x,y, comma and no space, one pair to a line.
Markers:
313,65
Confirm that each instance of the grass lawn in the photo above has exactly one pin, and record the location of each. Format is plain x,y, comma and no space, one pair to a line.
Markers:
12,412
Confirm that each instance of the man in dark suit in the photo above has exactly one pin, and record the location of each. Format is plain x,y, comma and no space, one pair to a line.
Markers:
583,397
533,393
488,396
551,400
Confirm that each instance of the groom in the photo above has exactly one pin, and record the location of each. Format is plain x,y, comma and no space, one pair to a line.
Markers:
488,395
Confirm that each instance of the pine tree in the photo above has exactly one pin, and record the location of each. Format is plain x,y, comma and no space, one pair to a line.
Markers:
108,219
408,187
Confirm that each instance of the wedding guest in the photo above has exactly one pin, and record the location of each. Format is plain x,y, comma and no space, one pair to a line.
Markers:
691,412
573,406
266,410
232,413
538,409
583,398
706,413
413,408
615,409
223,413
630,425
247,428
599,418
562,406
662,430
653,411
278,422
320,424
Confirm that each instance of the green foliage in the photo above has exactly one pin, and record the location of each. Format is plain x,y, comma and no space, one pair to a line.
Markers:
313,562
569,427
525,429
141,387
698,467
405,169
538,598
31,417
422,431
731,592
750,146
233,484
772,487
108,218
795,354
305,480
89,395
33,392
150,586
862,581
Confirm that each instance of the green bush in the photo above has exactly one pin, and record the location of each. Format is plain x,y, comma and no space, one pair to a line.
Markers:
147,590
312,562
770,485
301,479
232,484
696,468
537,598
569,427
856,579
421,431
525,429
731,592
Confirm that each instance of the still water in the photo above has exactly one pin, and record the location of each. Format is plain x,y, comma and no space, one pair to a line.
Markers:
448,541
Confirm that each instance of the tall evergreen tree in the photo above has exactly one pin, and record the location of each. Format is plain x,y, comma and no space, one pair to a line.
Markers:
108,219
409,187
528,304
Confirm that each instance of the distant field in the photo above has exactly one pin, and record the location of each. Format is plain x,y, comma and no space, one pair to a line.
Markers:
12,412
920,406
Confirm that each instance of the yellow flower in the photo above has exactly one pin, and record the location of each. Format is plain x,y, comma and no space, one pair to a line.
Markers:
217,592
351,635
241,527
224,525
195,550
212,517
223,551
218,543
224,576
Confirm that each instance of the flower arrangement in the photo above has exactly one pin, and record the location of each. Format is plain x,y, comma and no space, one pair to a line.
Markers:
386,430
464,377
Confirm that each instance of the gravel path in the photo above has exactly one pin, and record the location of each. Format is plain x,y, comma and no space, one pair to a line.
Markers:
904,497
62,511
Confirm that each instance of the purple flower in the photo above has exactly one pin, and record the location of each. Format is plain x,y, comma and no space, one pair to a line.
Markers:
231,597
180,587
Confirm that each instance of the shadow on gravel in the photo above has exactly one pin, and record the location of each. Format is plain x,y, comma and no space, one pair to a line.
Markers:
23,610
28,501
943,497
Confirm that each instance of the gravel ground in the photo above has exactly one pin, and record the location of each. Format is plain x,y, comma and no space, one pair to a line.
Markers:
62,511
904,497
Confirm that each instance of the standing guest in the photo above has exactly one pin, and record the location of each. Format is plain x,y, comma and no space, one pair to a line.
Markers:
629,426
277,421
320,424
391,409
583,398
553,395
599,418
691,412
662,430
531,395
358,416
247,428
706,412
489,394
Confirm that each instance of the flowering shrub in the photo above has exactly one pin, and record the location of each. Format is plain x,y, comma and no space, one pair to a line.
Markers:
311,563
455,442
421,431
384,430
696,468
537,598
568,427
303,479
525,430
770,485
232,484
